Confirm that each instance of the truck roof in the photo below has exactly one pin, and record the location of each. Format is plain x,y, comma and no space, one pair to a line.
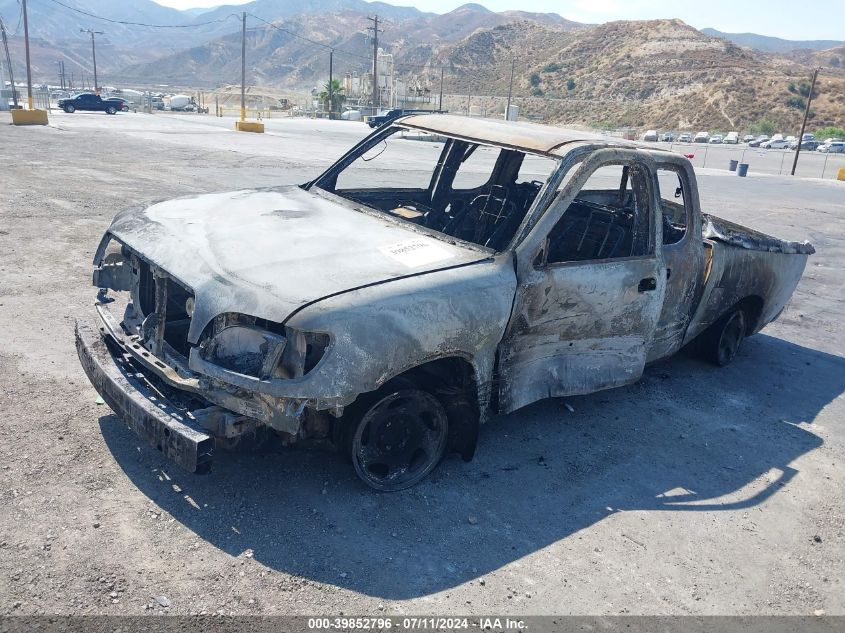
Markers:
530,137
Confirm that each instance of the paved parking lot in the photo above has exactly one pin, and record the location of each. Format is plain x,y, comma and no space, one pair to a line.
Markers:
696,491
765,161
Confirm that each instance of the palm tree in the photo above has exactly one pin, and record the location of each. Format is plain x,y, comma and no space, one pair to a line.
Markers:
334,89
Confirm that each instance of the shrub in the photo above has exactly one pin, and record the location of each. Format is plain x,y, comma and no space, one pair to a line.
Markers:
534,80
763,126
804,90
829,132
570,84
536,91
835,62
551,67
795,102
792,88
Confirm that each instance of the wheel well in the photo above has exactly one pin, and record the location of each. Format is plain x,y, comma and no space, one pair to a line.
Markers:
453,381
752,306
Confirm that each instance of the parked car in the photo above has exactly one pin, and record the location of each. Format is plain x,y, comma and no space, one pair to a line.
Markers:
809,145
685,137
716,139
775,143
748,138
90,102
758,141
157,103
701,137
731,138
391,315
833,147
667,137
351,115
650,135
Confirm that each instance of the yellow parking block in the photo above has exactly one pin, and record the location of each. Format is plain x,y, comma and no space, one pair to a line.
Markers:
29,117
249,126
841,174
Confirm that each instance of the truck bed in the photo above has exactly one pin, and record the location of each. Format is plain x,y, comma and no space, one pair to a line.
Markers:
742,264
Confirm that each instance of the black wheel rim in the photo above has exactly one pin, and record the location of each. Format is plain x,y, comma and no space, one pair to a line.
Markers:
400,440
732,335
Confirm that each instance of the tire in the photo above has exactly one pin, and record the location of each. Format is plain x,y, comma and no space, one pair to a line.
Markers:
721,341
111,109
69,109
396,436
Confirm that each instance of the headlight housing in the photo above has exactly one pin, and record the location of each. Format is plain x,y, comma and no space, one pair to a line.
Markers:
261,349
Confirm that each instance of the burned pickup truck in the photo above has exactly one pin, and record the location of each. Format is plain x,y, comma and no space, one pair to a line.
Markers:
397,301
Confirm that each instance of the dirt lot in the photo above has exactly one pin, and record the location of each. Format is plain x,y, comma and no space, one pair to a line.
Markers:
697,490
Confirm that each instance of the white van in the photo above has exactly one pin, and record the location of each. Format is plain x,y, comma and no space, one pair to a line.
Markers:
731,138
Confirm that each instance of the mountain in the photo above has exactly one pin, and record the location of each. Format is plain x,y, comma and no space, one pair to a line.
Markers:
655,73
284,53
772,44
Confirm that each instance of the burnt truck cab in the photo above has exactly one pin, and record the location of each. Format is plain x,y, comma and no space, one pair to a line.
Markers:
395,302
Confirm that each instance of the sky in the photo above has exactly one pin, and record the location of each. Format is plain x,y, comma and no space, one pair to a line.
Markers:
813,20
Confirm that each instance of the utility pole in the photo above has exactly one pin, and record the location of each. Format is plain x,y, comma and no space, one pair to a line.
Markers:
804,122
331,100
375,29
9,64
469,97
93,55
440,102
26,46
510,90
243,69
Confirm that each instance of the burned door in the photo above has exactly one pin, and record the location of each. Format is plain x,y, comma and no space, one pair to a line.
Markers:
682,255
590,285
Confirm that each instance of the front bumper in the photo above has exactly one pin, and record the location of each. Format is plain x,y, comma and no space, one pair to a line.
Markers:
138,403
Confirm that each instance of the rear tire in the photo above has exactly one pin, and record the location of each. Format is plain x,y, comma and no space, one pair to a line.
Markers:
721,341
69,109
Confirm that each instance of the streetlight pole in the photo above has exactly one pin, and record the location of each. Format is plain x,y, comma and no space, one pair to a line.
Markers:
26,46
93,55
510,90
804,122
331,100
243,69
440,102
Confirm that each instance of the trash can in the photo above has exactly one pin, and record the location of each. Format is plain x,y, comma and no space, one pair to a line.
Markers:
733,165
743,170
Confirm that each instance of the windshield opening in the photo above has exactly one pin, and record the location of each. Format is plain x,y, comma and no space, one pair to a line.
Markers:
474,192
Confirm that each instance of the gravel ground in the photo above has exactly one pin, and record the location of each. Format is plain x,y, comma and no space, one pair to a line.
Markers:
696,491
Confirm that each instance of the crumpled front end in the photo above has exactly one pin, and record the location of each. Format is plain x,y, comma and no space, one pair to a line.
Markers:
181,396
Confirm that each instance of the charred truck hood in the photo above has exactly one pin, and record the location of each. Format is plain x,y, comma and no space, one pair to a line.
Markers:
267,253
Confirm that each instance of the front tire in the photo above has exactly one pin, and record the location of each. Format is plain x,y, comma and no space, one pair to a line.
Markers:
69,109
111,110
399,436
721,342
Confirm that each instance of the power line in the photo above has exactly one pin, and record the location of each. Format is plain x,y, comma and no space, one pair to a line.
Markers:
306,39
154,26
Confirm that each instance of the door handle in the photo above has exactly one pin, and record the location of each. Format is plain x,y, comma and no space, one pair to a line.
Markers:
647,285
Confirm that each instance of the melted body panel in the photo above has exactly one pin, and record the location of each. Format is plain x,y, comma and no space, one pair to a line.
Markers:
267,253
386,296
